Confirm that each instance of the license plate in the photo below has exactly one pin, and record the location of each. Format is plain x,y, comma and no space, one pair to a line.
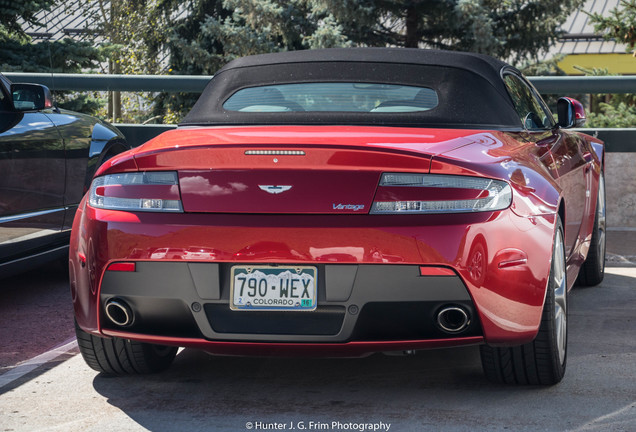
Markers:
273,288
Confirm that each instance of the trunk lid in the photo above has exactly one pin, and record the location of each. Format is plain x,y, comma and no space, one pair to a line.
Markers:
317,170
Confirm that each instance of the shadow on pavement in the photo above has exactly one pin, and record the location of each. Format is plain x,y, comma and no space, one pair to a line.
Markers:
434,389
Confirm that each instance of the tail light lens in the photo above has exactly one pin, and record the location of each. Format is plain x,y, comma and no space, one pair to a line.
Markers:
432,193
156,191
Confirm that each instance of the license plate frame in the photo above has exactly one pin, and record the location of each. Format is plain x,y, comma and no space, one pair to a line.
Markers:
279,288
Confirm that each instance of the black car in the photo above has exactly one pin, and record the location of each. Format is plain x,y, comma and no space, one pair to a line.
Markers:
47,159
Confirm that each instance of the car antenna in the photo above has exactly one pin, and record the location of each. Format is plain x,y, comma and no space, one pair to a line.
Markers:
55,108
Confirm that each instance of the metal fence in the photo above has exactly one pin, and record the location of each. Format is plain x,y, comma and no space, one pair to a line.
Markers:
195,84
616,140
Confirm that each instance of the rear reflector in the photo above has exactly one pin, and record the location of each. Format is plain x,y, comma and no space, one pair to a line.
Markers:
122,267
436,271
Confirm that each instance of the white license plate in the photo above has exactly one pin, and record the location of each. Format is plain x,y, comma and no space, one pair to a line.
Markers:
273,288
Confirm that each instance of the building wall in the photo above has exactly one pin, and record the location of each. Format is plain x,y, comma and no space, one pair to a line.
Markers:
620,185
621,64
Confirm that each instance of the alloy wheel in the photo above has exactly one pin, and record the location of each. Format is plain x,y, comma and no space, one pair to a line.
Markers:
600,214
560,295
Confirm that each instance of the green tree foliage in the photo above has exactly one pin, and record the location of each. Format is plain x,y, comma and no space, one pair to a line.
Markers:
620,24
191,53
610,110
19,53
136,34
200,36
615,110
509,29
10,10
137,31
218,31
613,115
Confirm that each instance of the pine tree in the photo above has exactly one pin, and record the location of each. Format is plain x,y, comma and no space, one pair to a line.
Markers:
199,36
619,25
614,110
509,29
19,53
218,31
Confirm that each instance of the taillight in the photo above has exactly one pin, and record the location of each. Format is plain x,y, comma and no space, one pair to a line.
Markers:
434,193
122,267
153,191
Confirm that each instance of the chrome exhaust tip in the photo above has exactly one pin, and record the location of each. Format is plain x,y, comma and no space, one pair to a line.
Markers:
119,312
453,319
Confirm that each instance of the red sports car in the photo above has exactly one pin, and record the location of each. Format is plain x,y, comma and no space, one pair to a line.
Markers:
344,202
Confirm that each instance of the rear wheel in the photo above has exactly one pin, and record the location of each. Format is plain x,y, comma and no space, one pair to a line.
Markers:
117,356
593,269
542,361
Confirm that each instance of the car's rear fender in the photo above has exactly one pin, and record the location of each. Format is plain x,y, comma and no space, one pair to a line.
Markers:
500,155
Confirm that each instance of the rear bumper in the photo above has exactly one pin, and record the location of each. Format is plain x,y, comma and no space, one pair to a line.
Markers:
501,263
346,349
361,303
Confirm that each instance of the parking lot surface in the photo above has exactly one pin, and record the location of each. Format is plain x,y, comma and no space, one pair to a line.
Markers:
430,391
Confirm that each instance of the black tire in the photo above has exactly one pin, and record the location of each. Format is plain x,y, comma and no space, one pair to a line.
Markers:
118,356
593,269
542,361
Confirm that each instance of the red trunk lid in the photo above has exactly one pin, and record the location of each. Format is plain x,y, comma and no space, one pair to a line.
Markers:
278,191
291,169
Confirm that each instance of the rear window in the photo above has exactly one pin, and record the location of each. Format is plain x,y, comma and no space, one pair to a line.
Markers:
333,96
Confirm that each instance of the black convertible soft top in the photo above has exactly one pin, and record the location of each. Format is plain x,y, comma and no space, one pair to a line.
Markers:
470,88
